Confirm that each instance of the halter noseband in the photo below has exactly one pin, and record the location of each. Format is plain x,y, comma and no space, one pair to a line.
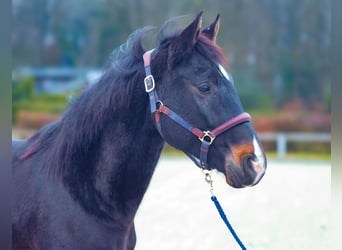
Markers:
206,137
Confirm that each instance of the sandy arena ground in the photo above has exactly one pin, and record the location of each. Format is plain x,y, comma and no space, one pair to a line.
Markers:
288,210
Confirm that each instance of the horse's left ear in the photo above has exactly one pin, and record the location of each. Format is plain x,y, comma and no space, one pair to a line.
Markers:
212,30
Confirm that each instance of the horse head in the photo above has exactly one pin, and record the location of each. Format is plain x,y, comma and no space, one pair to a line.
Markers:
192,84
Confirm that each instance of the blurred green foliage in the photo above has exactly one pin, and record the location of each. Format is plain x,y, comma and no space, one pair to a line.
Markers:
24,98
251,92
22,89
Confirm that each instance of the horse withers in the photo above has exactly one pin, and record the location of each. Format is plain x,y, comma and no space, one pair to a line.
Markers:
78,182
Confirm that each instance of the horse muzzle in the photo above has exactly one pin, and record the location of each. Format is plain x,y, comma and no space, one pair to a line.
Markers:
246,165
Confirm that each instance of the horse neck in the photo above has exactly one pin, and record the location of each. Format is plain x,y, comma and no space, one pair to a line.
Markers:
127,161
113,175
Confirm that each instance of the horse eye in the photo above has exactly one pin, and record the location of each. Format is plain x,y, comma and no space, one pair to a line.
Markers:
204,88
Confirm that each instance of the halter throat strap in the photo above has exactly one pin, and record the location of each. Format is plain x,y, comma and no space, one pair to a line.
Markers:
206,137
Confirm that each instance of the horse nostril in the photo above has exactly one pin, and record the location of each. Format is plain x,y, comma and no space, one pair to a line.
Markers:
249,162
253,166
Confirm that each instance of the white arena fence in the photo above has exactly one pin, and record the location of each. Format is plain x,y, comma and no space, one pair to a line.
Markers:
282,139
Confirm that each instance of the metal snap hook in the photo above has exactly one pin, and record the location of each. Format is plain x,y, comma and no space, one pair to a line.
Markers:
208,179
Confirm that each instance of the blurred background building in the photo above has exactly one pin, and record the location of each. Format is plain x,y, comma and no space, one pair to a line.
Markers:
278,54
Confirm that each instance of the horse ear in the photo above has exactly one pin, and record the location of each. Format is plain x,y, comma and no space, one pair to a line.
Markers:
188,37
212,30
185,41
190,34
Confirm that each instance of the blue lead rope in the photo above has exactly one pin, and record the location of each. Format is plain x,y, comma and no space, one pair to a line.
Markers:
207,178
225,219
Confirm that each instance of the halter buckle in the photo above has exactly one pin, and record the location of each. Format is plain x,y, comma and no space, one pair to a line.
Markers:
149,83
207,137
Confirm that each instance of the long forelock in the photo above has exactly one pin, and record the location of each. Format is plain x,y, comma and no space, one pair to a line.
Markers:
211,50
205,46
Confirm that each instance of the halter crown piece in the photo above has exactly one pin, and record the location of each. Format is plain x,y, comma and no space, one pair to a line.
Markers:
206,137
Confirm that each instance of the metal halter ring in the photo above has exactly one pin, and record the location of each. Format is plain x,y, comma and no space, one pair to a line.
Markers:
207,137
159,103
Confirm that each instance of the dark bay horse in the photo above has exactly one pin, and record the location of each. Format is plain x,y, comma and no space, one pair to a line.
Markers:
78,182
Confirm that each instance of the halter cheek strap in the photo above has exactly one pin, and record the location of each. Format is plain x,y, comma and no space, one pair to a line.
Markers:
206,137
